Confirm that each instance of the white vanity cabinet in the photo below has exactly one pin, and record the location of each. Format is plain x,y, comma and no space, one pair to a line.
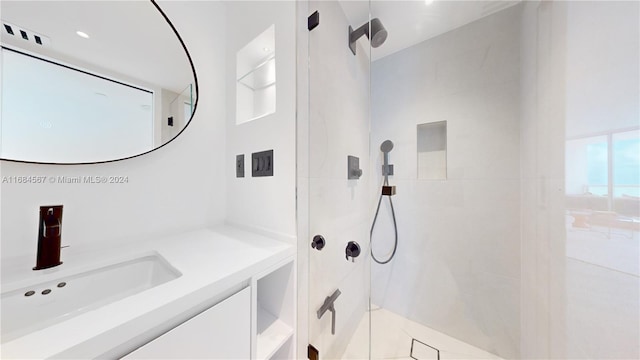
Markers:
220,332
255,323
238,304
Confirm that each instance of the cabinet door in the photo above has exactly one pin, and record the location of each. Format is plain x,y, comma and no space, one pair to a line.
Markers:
221,332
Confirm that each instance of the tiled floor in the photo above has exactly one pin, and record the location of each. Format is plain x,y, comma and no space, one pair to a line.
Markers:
391,338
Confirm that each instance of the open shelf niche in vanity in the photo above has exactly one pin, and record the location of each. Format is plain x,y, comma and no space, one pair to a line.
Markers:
274,306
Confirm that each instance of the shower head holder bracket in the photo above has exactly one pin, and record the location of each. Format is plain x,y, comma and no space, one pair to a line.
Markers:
387,170
388,190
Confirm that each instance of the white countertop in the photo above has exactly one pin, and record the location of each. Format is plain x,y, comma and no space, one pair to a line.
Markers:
214,263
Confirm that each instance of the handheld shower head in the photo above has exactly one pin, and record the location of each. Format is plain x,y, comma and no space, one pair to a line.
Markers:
386,146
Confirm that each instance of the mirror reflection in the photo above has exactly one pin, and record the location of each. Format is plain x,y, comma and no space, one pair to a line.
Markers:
92,81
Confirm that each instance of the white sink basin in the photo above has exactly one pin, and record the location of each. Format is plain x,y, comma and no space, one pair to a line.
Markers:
83,291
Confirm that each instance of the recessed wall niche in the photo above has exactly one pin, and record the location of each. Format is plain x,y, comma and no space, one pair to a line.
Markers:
256,78
432,151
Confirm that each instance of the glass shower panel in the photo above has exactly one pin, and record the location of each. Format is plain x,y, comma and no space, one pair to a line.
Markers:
339,196
602,262
528,248
626,172
452,290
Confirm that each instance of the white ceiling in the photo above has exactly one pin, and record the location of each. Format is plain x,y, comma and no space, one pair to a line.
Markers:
127,37
153,54
411,22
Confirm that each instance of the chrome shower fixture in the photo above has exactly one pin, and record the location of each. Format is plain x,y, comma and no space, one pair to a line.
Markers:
374,30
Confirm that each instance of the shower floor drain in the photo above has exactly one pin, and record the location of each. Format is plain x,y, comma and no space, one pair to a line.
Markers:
422,351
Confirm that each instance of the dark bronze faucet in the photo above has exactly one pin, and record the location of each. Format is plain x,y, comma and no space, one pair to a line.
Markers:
49,237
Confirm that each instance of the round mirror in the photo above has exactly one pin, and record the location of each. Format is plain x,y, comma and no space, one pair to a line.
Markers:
91,81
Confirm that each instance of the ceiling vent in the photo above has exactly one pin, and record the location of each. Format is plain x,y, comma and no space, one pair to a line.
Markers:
17,32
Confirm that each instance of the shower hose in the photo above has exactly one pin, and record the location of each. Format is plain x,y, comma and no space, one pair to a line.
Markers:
395,227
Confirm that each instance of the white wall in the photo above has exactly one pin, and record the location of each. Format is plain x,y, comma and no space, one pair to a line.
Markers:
338,208
457,266
175,188
264,203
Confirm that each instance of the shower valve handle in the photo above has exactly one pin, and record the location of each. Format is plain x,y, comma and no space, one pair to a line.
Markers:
352,251
318,242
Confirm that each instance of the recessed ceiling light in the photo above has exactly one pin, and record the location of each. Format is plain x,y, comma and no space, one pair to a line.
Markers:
82,34
266,49
428,2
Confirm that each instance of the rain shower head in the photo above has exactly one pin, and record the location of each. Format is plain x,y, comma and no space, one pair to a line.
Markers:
386,146
378,33
374,30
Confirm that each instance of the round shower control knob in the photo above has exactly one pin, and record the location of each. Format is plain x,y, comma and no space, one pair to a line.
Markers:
318,242
352,251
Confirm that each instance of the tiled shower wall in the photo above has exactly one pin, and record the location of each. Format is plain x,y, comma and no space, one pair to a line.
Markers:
497,255
338,207
457,267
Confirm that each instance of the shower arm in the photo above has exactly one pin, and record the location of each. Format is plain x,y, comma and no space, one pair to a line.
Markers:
356,34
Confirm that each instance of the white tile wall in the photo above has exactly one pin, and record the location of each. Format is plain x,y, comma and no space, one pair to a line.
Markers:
457,268
338,208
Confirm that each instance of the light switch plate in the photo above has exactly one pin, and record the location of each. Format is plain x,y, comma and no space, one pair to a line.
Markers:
240,166
262,163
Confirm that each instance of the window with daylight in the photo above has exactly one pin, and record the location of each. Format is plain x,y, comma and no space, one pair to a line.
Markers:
605,165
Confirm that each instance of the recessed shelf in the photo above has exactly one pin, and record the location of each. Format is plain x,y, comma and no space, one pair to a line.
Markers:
260,116
256,78
272,334
432,150
261,76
